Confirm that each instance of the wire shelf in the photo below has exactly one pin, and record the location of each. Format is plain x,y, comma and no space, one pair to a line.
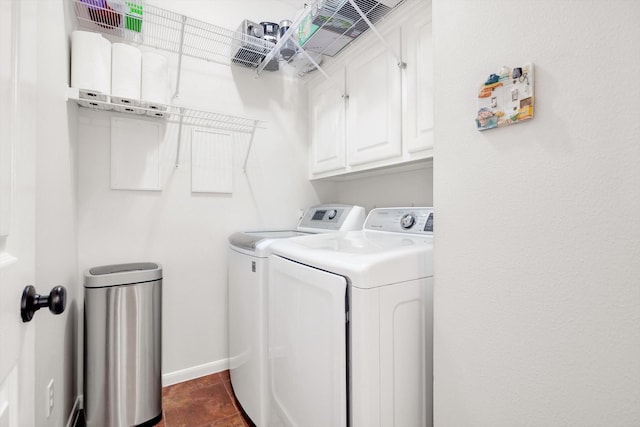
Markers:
326,27
174,114
162,29
336,23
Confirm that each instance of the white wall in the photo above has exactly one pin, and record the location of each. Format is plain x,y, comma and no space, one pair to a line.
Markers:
185,232
537,302
407,188
55,236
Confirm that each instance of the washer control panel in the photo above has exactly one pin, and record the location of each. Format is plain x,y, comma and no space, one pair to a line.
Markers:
401,220
335,217
408,220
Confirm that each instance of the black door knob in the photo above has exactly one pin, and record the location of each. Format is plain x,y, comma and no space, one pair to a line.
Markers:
32,302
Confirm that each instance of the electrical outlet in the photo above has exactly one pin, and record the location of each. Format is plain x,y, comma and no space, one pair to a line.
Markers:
49,398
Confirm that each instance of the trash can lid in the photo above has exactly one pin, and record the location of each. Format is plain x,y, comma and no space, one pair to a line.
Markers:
122,274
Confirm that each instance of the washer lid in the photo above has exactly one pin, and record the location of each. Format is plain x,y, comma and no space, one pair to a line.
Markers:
250,239
122,274
368,258
256,242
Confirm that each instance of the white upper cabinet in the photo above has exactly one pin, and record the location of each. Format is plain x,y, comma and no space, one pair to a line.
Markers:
387,120
418,85
327,125
374,120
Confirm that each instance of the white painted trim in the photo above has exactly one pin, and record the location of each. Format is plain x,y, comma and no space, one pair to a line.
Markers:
195,372
6,259
74,411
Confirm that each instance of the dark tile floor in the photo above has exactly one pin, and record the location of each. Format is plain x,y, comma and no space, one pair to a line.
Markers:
204,402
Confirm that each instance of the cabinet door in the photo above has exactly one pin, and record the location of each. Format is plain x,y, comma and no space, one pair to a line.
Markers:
327,125
374,108
418,131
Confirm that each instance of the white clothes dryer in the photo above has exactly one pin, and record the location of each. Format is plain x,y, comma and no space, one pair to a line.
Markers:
350,325
247,281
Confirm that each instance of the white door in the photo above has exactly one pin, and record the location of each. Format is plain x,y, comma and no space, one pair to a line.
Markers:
17,196
307,346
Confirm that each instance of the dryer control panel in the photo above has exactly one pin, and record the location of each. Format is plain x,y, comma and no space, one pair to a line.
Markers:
401,220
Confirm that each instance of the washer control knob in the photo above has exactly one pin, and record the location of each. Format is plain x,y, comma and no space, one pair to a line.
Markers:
407,221
332,214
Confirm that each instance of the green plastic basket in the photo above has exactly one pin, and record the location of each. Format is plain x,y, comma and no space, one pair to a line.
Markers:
133,20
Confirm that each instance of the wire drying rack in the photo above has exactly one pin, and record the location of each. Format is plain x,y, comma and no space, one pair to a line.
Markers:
326,27
332,24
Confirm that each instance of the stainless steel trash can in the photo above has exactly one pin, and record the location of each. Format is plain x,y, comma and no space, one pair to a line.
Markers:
122,345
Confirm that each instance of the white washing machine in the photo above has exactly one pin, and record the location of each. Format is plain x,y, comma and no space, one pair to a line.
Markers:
247,281
350,325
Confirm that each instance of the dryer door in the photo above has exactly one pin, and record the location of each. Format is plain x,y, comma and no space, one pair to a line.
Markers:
307,346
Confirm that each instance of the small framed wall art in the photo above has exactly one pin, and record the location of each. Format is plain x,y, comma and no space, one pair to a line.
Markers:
506,98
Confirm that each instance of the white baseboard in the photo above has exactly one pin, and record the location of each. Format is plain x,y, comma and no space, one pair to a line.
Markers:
74,411
194,372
